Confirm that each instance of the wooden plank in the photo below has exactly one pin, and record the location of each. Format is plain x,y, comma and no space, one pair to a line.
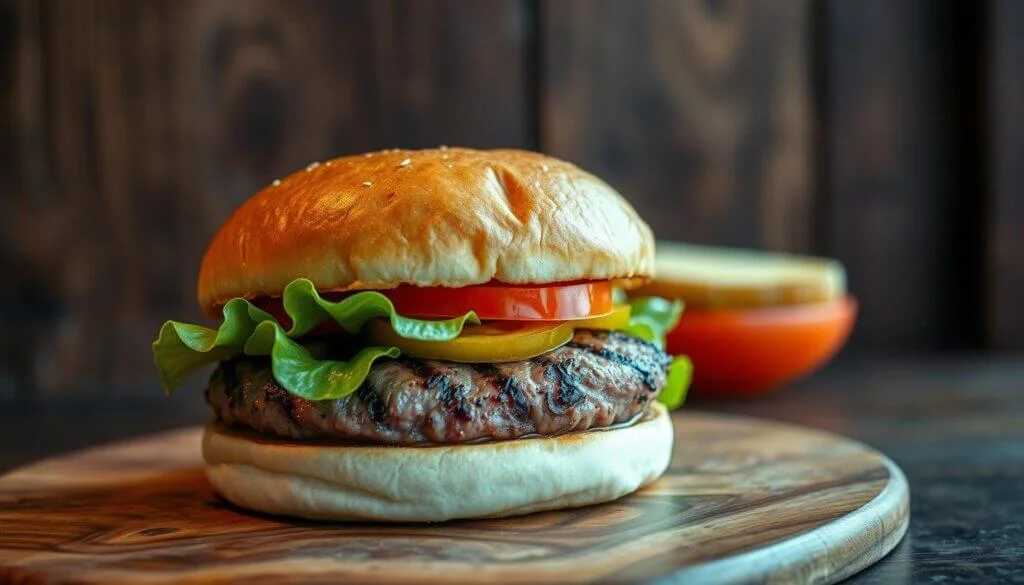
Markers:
699,112
138,126
1005,315
283,84
899,168
25,298
744,501
102,207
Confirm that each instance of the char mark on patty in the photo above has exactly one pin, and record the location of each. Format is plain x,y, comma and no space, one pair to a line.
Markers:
647,369
375,407
452,396
509,394
418,367
565,390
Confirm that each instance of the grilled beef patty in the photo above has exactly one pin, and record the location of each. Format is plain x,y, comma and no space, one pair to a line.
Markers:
598,379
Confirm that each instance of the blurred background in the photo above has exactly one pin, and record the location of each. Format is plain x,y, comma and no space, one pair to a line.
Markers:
884,133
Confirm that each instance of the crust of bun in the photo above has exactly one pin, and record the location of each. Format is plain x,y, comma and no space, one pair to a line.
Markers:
440,217
435,483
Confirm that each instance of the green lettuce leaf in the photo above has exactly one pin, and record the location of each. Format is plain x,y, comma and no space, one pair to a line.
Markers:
307,309
304,376
651,318
182,348
680,372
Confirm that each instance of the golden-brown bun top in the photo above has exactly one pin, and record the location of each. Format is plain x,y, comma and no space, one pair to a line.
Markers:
441,217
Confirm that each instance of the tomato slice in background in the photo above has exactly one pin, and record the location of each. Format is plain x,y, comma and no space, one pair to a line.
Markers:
739,352
505,302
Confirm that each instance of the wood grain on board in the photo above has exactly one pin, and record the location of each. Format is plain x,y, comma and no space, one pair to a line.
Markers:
744,500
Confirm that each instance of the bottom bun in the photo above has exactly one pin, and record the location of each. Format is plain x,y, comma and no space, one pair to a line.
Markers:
433,483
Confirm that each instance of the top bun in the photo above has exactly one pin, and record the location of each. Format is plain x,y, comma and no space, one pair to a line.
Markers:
441,217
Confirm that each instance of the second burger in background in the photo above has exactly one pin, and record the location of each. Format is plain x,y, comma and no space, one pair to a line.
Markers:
754,320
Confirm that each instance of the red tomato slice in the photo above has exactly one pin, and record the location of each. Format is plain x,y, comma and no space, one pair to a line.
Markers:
491,302
505,302
747,351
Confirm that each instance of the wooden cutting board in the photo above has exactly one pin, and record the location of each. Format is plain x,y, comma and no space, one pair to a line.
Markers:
744,501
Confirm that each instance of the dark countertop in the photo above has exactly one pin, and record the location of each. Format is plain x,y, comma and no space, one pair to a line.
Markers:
954,424
956,428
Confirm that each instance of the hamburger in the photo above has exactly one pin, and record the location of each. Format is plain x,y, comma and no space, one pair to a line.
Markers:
430,335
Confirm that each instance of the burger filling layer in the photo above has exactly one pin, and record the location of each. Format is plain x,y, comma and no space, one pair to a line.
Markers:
597,380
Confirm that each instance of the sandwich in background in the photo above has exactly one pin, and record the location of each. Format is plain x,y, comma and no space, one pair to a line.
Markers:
753,320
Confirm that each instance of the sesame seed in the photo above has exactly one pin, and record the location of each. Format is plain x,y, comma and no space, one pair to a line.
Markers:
544,168
312,166
444,157
405,162
368,155
444,147
449,165
276,183
367,183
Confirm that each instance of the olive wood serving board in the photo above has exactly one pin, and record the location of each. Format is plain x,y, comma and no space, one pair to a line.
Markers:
744,501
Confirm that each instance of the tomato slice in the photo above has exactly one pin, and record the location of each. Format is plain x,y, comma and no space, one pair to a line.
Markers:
495,342
491,302
747,351
558,302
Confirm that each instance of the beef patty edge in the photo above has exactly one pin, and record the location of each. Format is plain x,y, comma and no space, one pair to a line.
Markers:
598,380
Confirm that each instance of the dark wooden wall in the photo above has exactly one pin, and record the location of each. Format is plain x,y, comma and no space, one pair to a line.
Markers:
886,133
1004,169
